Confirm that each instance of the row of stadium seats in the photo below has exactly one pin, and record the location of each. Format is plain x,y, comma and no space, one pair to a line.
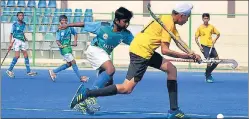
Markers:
50,48
47,11
31,3
45,20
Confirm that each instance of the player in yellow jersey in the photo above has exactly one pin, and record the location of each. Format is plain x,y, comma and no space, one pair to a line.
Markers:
142,55
205,32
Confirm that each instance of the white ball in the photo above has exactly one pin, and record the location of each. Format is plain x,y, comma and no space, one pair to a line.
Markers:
220,116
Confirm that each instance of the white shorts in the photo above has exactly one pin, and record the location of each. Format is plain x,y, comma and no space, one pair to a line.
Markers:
20,45
68,57
96,56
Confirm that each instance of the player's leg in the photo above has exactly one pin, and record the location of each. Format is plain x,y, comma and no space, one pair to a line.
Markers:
16,47
206,55
76,71
105,76
158,62
26,60
214,55
10,72
136,70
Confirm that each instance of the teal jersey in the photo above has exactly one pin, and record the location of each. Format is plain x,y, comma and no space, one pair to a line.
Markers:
17,31
105,37
64,36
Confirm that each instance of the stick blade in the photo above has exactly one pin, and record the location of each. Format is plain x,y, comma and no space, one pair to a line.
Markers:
230,61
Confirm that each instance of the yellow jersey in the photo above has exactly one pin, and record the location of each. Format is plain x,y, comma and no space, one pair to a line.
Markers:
150,38
205,33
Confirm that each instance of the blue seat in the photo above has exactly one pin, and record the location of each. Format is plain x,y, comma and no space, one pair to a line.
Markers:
31,3
3,3
28,11
26,19
52,4
77,19
21,3
13,19
43,28
48,12
45,20
88,13
78,12
38,11
69,12
4,18
57,12
55,20
37,20
69,20
11,3
42,4
53,28
7,11
16,10
88,19
30,28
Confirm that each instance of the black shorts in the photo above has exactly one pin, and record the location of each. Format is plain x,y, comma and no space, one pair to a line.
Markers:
213,53
138,65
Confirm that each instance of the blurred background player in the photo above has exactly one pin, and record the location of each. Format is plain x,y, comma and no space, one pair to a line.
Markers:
143,54
109,36
17,33
63,39
205,32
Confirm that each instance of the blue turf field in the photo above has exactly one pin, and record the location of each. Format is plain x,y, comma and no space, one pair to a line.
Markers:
39,97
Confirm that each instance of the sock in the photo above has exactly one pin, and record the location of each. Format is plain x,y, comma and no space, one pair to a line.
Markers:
13,63
214,65
106,91
27,64
102,79
172,89
208,73
76,70
62,67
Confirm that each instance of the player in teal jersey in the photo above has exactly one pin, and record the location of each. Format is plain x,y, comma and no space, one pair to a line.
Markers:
17,33
63,39
109,35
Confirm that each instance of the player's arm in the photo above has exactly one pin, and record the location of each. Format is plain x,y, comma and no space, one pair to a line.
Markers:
75,36
166,51
11,36
197,35
180,47
58,41
215,31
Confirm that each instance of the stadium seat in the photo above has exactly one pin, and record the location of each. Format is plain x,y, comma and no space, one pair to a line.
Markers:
13,19
30,28
69,20
38,11
88,15
78,12
4,18
28,11
3,3
76,19
37,20
26,19
53,28
11,3
52,4
88,19
57,12
21,3
7,11
69,12
43,28
48,12
17,9
55,20
31,3
45,20
42,4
